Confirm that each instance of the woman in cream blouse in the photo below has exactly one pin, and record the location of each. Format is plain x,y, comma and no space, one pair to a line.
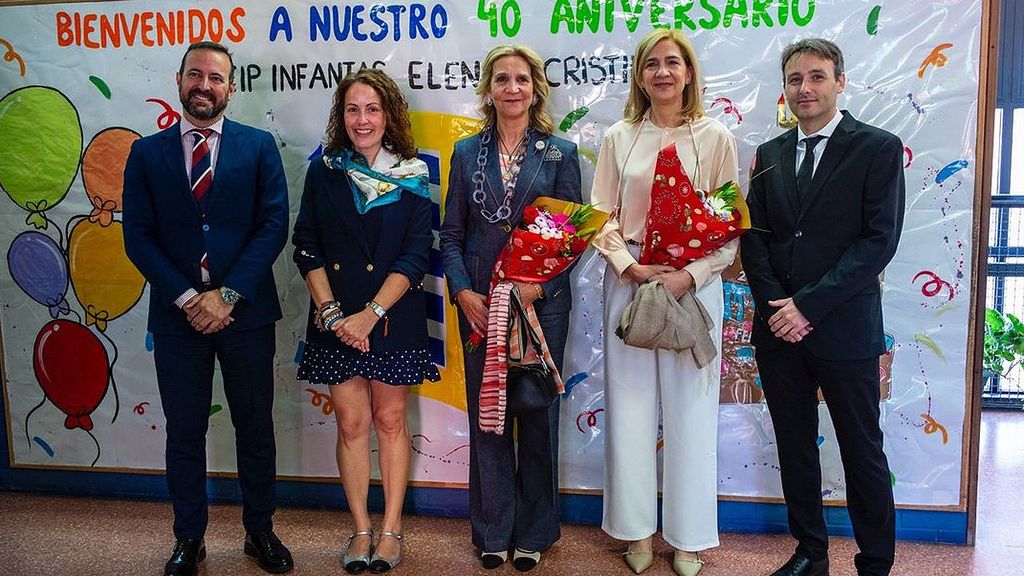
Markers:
664,107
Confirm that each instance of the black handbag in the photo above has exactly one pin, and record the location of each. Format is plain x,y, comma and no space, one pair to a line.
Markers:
528,387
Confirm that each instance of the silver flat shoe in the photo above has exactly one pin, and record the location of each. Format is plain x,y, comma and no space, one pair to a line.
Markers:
357,564
380,564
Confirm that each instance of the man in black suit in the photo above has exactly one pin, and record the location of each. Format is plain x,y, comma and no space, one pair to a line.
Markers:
826,218
205,216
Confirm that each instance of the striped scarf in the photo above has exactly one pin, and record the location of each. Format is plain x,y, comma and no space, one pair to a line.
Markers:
503,339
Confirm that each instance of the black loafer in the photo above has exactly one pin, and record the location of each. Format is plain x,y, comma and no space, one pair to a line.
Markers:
185,559
801,566
268,550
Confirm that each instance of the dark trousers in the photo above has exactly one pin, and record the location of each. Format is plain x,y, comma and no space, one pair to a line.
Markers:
184,370
790,377
513,493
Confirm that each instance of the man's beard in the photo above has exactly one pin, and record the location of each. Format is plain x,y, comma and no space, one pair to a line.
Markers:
210,113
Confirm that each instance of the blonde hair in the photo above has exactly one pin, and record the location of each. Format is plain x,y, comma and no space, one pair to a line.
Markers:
539,117
639,102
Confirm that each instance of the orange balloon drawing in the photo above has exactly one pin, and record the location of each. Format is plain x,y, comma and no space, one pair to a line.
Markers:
103,171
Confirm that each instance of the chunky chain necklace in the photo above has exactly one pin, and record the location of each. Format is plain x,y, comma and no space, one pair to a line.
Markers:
510,173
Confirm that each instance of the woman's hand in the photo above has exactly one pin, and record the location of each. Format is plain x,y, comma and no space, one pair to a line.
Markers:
529,292
474,306
677,281
355,330
640,273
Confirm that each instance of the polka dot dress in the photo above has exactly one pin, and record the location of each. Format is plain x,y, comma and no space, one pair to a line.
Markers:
322,365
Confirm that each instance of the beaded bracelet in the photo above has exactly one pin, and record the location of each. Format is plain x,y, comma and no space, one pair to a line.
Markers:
329,314
331,320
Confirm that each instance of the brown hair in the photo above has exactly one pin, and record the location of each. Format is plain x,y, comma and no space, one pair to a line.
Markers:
397,133
817,46
213,47
639,103
539,117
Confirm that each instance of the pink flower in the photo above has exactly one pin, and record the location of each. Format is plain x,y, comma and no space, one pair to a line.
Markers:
569,229
559,219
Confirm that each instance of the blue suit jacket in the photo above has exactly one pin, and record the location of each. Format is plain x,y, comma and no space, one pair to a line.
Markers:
243,231
469,244
329,234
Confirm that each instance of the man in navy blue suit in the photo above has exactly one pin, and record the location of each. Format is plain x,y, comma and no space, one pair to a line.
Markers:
826,218
205,217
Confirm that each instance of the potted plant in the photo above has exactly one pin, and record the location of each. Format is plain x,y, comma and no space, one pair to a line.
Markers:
1004,343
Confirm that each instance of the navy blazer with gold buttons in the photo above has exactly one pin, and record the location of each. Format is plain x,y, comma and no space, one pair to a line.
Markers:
328,234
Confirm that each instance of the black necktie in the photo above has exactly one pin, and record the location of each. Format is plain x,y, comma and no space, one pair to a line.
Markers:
803,176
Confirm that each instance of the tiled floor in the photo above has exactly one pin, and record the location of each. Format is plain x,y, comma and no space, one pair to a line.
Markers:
42,535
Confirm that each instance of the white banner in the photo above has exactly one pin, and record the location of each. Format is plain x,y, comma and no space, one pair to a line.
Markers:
79,82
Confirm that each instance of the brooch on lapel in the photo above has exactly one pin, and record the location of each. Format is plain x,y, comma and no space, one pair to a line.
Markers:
553,154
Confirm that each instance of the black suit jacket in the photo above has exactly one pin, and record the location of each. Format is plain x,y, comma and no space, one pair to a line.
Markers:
826,251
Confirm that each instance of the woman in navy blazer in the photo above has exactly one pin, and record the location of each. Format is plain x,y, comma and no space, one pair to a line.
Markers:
494,175
362,241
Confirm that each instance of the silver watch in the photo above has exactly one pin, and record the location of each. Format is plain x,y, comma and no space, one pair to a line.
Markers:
377,309
229,296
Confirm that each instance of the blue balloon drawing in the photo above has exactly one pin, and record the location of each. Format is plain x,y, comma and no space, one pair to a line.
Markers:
40,269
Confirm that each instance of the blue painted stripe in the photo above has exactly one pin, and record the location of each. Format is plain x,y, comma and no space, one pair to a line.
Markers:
436,267
435,216
436,347
433,166
435,307
42,444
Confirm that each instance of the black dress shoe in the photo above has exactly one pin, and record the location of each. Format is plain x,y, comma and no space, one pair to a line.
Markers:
267,548
187,554
800,566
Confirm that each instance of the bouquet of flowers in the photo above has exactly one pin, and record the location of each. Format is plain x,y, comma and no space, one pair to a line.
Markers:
551,236
684,223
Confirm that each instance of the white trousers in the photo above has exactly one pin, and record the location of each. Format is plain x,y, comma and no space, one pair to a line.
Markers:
636,382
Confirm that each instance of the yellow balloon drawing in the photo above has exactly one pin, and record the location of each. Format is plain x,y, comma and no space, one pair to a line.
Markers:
438,132
106,283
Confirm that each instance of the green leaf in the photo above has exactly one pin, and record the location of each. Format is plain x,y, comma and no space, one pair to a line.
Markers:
872,26
931,345
572,117
588,154
101,86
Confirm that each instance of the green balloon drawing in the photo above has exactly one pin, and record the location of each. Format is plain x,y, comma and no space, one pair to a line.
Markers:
41,151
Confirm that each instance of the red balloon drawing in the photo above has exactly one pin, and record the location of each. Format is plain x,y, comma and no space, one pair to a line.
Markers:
72,368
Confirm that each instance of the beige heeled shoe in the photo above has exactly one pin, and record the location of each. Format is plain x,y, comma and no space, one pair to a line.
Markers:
638,561
686,566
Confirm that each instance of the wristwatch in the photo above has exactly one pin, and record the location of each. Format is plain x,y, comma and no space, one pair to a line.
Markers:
377,309
229,296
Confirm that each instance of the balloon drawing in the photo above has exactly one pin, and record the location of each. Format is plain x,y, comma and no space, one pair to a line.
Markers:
103,171
72,368
105,281
42,144
39,268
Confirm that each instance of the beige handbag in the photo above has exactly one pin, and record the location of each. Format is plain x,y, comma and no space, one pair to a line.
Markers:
656,321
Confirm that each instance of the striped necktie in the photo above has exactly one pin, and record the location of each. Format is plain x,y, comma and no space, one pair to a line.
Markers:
202,168
202,179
